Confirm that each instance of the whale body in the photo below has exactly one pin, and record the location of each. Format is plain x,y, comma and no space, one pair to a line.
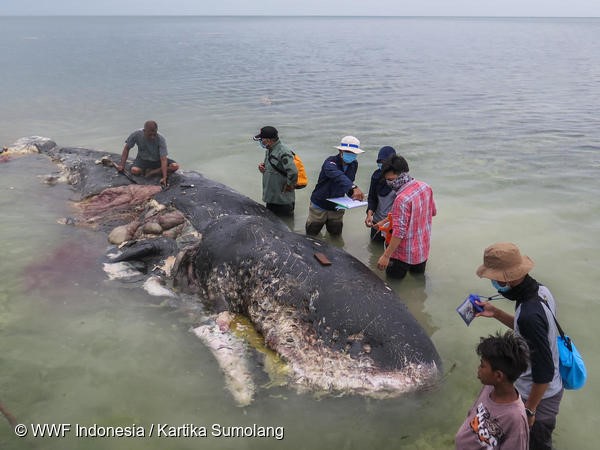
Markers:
339,328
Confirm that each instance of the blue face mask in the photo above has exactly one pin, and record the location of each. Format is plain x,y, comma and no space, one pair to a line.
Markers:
261,145
380,165
499,287
348,157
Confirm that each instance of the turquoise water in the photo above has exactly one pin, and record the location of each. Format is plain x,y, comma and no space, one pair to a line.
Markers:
499,116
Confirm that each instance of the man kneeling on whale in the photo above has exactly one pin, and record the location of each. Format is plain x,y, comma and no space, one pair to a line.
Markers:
152,153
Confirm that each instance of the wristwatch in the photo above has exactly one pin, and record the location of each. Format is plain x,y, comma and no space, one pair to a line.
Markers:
530,412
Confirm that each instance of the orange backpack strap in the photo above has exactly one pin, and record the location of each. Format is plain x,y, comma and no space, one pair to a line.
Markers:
302,178
387,228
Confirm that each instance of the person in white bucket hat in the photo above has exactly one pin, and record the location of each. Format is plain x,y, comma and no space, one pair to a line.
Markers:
350,144
336,179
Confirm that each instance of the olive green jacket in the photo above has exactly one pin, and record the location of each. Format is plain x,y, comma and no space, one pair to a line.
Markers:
279,161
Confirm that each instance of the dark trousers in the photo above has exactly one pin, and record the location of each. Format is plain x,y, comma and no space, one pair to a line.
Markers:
540,435
281,210
145,164
376,236
397,269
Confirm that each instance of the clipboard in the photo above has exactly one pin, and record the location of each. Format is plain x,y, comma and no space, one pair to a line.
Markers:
346,202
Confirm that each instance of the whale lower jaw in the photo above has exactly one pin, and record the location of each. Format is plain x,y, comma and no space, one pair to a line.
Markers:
230,353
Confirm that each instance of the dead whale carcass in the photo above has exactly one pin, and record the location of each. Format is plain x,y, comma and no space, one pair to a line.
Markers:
339,328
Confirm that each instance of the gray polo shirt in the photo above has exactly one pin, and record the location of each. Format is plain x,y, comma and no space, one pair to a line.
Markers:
148,150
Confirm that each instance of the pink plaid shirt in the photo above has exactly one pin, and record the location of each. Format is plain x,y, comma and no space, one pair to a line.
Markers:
412,212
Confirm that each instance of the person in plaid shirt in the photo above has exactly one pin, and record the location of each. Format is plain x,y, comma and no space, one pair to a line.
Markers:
412,214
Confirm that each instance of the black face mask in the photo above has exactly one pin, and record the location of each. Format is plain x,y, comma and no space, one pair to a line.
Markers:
400,181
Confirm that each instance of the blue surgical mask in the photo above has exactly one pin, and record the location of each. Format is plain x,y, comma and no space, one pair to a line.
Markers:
380,165
499,287
348,157
261,145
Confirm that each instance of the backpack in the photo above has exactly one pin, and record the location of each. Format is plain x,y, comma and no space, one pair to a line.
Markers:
571,366
302,181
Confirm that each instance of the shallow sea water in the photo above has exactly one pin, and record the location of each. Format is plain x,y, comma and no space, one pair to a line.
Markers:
499,116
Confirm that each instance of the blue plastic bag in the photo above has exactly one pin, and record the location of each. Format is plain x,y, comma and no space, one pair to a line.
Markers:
571,367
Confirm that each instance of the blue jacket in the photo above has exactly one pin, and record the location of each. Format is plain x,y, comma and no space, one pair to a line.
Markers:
333,182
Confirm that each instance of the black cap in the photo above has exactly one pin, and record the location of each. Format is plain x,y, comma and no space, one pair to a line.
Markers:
267,133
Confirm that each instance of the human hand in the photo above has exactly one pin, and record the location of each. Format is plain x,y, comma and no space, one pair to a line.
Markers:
357,194
369,221
489,310
119,167
288,188
163,182
261,168
380,224
383,262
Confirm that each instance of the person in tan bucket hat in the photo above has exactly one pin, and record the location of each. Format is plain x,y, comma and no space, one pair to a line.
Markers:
540,385
504,262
